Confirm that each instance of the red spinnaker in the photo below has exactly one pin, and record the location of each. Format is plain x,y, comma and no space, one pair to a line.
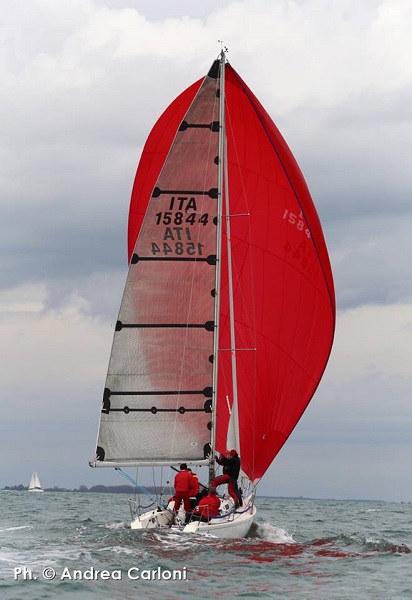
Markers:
283,287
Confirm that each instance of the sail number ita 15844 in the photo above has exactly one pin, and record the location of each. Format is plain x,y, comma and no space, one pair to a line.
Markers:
177,238
178,248
167,217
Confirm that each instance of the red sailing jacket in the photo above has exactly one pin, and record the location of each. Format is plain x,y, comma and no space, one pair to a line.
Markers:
194,485
183,482
208,506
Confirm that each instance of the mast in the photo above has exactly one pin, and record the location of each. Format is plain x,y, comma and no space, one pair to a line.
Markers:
233,430
220,175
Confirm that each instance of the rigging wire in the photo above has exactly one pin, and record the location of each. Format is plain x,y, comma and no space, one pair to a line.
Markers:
237,270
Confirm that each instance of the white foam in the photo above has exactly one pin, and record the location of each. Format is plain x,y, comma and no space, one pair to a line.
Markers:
274,534
117,526
373,541
16,528
117,550
12,559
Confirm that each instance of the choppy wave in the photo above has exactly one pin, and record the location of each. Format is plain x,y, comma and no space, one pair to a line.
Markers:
16,528
273,534
297,549
120,525
345,545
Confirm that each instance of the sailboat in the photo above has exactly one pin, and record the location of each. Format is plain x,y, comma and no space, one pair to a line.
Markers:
34,485
227,318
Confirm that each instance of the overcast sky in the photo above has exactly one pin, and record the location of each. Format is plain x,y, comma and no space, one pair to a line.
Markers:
82,82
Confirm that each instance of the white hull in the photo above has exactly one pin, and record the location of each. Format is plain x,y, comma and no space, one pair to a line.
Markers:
35,490
230,524
234,525
153,519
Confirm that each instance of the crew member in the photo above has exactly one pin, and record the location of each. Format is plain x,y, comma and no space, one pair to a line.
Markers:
183,485
231,469
208,507
194,490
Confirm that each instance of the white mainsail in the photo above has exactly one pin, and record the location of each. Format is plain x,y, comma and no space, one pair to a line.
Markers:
157,404
34,485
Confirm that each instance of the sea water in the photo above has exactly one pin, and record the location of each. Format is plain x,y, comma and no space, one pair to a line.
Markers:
80,546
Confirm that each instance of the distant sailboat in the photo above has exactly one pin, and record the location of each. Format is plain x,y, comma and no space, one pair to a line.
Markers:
228,314
34,485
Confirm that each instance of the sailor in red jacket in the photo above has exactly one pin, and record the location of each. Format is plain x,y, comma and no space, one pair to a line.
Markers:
195,483
183,486
208,507
194,490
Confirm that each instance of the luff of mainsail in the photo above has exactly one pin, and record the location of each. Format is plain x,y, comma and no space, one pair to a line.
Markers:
219,68
157,402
